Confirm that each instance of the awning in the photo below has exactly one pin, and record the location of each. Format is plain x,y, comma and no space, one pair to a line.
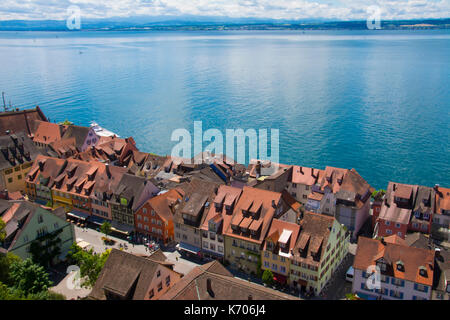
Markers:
78,214
97,220
279,278
189,248
121,228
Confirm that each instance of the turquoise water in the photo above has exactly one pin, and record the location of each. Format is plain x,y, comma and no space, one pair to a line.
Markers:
376,101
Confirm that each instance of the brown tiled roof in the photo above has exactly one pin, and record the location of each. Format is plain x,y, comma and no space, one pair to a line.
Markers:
347,184
194,286
258,197
442,200
277,228
403,191
16,149
196,194
389,210
162,204
313,237
47,132
306,176
371,250
78,132
20,121
127,275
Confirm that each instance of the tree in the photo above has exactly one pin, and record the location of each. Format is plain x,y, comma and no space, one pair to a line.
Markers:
2,230
378,194
90,263
28,277
66,123
5,266
46,248
105,228
267,277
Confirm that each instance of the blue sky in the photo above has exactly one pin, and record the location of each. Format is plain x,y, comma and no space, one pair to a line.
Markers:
274,9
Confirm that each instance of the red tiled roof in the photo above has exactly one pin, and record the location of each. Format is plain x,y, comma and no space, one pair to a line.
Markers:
371,250
442,200
248,197
47,132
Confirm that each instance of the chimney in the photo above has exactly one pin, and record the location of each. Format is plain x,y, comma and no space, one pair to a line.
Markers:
108,172
394,187
301,170
382,241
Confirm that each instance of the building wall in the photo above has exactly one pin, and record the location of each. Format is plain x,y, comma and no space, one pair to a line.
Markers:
62,199
29,233
90,141
328,204
397,229
149,222
408,290
161,282
14,177
362,215
242,255
299,191
188,234
104,211
207,242
335,251
275,263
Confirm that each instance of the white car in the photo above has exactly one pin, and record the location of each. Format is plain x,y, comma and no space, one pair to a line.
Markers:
349,275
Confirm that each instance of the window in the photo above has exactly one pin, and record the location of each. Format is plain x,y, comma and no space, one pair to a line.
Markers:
140,225
220,248
397,225
274,267
144,210
205,245
212,246
160,286
10,180
168,281
388,223
420,287
153,213
388,231
266,264
139,217
283,269
399,234
398,282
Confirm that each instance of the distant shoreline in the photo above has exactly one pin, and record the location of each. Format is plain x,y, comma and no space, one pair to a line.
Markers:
53,25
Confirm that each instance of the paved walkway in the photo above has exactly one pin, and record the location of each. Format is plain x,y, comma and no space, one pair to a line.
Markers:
69,288
94,238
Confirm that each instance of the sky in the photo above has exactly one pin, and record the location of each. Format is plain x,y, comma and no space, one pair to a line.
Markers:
272,9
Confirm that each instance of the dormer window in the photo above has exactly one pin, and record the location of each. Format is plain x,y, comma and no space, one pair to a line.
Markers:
400,266
423,271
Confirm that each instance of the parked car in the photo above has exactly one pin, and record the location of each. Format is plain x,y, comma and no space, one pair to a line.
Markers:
349,274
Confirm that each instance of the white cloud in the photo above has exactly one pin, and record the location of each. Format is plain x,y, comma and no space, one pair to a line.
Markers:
275,9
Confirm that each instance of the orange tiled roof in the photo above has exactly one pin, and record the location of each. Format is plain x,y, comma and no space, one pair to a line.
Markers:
371,250
442,200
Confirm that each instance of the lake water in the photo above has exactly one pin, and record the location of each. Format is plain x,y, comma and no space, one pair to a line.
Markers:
376,101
